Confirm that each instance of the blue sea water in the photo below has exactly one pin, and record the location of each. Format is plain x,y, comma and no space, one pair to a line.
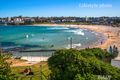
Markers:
44,37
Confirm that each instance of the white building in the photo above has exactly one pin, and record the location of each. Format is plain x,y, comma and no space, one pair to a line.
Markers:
18,20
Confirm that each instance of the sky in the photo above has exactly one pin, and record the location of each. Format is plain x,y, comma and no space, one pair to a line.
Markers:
47,8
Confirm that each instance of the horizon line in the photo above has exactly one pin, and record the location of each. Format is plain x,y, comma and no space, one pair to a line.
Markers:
56,16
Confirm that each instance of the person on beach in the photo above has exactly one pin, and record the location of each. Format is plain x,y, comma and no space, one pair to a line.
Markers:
115,51
110,50
24,71
27,71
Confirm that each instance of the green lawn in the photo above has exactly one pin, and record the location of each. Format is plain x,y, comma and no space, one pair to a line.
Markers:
35,68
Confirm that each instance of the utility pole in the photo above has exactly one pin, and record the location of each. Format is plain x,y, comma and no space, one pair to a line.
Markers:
40,72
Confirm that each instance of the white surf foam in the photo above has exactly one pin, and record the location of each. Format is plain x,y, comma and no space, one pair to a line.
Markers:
36,40
27,36
74,45
77,45
77,32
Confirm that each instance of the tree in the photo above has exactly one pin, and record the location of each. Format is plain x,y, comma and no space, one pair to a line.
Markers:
78,77
81,65
5,70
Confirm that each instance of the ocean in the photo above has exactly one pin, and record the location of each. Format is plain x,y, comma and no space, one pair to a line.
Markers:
15,38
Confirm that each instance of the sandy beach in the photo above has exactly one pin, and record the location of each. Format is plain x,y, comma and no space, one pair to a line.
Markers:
109,32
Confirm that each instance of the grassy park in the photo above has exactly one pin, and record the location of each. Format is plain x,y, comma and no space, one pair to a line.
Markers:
36,70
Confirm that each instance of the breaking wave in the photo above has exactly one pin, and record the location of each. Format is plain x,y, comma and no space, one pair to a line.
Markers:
74,45
77,32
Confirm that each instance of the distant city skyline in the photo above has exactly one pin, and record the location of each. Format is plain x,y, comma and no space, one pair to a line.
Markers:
48,8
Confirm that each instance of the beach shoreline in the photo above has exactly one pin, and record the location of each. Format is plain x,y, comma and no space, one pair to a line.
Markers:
107,31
